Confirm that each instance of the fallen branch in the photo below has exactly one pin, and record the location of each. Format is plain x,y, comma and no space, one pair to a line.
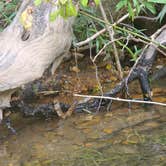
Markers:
120,99
104,47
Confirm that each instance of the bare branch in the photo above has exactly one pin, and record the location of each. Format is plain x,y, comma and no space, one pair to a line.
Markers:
111,36
104,47
120,99
101,31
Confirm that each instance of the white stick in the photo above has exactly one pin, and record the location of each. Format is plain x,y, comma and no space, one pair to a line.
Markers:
1,115
120,99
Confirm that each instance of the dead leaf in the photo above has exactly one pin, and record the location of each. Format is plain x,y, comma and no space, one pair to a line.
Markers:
108,67
88,145
75,69
107,130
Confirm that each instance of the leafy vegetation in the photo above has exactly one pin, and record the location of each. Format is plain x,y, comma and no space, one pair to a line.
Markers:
135,4
66,8
85,27
87,22
8,10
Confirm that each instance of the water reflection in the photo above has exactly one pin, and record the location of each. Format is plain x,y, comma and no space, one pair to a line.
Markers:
119,138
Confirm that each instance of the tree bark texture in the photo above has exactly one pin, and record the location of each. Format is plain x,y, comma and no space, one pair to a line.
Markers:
26,53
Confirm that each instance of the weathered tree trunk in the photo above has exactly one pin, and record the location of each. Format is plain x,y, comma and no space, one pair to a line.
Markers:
26,53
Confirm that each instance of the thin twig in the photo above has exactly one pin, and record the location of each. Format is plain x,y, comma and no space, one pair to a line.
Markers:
120,99
157,48
81,49
145,18
101,31
96,72
103,48
111,36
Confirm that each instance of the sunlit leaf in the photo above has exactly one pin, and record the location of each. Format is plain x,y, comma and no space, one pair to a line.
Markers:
130,10
37,2
97,2
84,3
54,15
63,2
71,9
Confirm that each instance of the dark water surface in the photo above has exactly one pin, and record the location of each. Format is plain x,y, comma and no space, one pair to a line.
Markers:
121,137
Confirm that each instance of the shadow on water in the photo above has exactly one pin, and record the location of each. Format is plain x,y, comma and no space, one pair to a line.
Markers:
121,137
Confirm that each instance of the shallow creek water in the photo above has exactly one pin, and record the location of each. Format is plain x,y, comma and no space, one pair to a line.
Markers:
121,137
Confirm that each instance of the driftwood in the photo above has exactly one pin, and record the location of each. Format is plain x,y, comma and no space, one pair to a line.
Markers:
26,53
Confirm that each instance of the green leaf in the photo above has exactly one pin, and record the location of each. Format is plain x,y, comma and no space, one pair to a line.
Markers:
67,10
37,2
54,15
130,10
158,1
84,3
137,6
62,11
121,4
71,9
162,13
63,2
97,2
1,6
135,2
150,7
